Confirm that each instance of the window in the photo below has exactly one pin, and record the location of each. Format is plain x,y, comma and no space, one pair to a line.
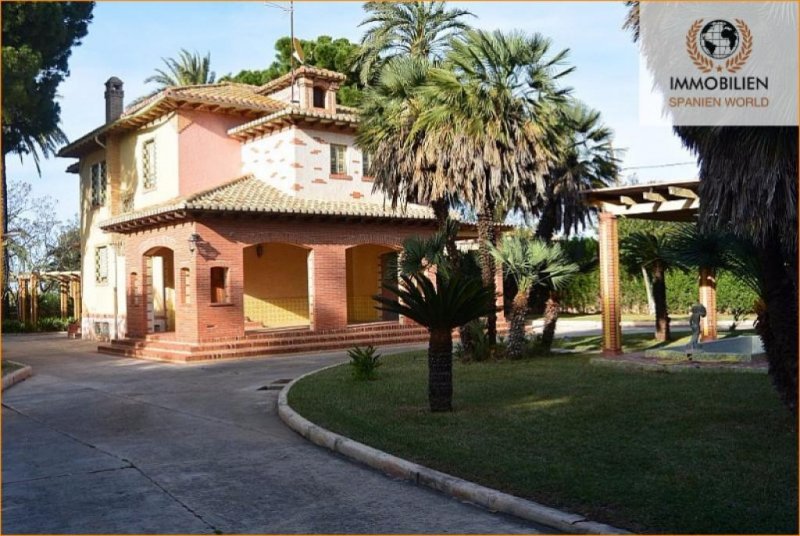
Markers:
149,164
219,285
366,164
319,97
338,155
186,286
127,203
101,265
99,184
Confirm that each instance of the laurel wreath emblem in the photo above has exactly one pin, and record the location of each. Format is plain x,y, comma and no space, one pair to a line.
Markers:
732,64
700,60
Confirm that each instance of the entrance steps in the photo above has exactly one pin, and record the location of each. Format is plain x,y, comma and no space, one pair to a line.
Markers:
162,347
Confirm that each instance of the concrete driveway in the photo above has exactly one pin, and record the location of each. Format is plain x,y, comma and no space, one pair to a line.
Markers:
98,444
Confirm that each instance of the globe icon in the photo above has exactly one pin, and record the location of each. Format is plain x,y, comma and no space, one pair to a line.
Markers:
719,39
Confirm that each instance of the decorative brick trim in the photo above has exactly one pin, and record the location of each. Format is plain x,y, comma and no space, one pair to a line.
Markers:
356,195
278,143
367,178
297,187
273,175
297,165
297,141
339,177
316,168
319,140
356,161
316,151
320,181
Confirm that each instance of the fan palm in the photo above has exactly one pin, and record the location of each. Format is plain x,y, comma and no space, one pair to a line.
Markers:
653,252
748,184
488,122
419,30
532,263
452,301
189,69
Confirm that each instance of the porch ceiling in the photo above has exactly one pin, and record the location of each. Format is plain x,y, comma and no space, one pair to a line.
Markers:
663,201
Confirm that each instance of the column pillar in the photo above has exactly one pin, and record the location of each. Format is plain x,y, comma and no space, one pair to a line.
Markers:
708,298
329,279
499,300
609,284
77,304
34,299
63,300
22,300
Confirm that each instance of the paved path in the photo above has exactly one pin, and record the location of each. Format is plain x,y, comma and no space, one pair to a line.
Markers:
97,444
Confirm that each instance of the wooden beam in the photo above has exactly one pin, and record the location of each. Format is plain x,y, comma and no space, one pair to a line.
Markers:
626,200
682,192
655,197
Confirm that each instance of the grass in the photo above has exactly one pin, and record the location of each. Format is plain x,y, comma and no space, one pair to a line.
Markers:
642,317
10,366
636,342
700,452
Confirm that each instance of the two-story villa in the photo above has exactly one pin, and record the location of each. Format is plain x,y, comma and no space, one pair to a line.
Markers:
228,219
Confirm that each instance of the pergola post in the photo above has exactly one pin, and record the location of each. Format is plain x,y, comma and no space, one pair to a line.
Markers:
63,298
75,290
34,299
498,285
22,299
609,284
708,298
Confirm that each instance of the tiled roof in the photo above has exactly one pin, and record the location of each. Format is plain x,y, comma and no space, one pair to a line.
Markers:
263,124
286,80
249,194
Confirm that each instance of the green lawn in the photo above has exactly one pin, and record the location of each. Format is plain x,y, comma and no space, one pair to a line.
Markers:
10,366
631,317
635,342
699,452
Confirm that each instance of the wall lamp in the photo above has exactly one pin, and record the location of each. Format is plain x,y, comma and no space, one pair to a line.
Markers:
194,239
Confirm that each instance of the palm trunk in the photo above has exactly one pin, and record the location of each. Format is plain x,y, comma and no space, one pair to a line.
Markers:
486,236
546,226
660,298
441,210
648,288
516,334
440,370
777,325
551,309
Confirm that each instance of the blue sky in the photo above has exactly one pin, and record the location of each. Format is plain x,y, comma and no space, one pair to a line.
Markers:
128,40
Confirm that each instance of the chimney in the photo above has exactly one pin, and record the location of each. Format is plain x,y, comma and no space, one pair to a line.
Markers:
114,99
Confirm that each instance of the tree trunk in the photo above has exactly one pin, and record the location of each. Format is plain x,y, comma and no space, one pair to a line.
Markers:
777,323
648,288
546,226
486,236
440,370
551,309
6,304
516,333
441,209
660,298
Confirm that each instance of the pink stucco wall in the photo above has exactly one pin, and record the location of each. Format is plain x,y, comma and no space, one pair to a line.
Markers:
208,156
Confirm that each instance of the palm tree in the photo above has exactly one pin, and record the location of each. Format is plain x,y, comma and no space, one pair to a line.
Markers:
489,119
452,301
532,263
653,252
748,184
420,30
706,251
189,69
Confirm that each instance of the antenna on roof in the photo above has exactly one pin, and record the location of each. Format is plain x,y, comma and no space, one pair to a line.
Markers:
295,49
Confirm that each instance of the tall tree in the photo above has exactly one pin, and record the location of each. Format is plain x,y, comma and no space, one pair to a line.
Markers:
748,185
188,69
37,42
405,29
490,119
324,52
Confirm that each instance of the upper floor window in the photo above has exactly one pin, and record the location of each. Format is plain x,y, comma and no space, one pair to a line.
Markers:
127,202
338,163
319,97
101,265
149,164
99,183
366,164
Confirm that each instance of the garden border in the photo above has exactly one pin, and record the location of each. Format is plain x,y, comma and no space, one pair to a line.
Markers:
17,376
461,489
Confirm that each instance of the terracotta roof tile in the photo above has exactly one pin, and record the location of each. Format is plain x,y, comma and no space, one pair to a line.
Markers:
286,80
249,194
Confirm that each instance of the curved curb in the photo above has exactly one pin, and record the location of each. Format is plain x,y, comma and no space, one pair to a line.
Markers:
17,376
461,489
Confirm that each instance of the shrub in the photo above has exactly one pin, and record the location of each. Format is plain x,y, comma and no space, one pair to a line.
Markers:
14,326
53,323
481,349
364,362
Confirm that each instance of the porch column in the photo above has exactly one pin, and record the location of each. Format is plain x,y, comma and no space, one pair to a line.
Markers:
75,291
708,298
22,300
328,287
34,299
63,300
609,284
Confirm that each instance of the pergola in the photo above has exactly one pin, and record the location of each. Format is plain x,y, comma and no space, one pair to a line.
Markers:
28,303
664,201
